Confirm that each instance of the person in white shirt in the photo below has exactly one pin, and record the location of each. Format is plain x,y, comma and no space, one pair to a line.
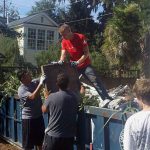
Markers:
137,127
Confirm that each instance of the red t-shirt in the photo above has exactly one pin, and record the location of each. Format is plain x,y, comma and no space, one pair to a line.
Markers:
75,48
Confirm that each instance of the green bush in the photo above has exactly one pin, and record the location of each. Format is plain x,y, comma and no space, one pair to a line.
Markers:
52,54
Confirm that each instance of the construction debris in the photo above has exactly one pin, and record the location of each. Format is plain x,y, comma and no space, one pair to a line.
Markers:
123,98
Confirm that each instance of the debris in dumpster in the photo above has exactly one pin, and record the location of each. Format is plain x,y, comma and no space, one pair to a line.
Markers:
123,98
104,103
114,104
88,100
120,90
122,95
131,106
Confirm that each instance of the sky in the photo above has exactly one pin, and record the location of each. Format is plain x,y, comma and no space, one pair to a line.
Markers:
24,6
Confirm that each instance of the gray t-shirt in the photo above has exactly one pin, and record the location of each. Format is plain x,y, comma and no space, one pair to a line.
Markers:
62,107
30,108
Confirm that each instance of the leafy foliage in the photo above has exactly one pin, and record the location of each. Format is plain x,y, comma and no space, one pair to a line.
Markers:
4,30
122,35
9,48
145,14
10,86
99,60
90,101
10,9
52,54
47,6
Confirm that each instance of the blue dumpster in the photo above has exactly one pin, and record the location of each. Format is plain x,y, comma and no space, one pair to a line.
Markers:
101,128
97,129
10,121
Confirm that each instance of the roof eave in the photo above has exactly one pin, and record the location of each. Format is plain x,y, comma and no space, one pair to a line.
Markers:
16,26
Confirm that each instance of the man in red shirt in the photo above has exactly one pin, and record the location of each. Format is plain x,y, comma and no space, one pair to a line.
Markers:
76,45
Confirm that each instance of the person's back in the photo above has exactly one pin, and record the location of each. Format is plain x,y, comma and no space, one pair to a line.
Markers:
62,108
63,111
137,127
137,130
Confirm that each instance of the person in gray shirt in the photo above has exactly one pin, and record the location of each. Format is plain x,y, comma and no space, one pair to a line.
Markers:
32,119
62,107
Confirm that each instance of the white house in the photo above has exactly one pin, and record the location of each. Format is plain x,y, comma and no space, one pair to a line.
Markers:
38,32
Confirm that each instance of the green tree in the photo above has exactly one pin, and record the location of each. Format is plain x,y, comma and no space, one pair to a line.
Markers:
99,60
52,54
121,37
9,48
58,14
47,6
9,10
145,40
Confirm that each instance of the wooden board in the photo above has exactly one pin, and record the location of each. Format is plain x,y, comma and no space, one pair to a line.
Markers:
52,70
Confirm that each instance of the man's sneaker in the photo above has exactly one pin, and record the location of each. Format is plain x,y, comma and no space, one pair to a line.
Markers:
104,103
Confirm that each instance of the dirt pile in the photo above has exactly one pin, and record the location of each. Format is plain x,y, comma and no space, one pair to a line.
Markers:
6,146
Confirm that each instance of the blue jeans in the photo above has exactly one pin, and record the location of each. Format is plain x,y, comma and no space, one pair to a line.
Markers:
89,74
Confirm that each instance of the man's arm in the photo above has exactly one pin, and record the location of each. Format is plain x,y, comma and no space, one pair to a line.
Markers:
44,109
85,54
63,55
36,92
44,106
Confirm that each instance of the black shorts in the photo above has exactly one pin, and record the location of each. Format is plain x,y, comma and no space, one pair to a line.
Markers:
32,132
57,143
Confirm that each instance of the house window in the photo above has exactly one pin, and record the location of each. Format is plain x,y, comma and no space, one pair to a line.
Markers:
50,38
41,40
31,38
42,19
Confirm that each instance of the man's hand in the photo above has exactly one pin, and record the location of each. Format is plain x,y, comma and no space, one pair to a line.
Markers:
46,93
74,63
60,62
42,79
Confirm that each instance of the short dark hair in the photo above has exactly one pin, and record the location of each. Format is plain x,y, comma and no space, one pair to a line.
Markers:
62,81
20,73
142,89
